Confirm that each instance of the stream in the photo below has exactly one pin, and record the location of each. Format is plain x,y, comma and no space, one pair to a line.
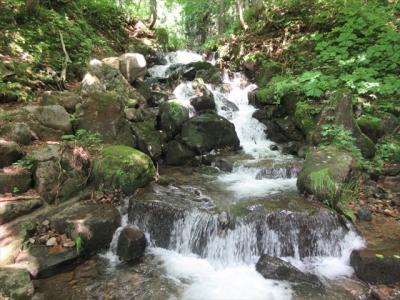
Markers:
207,230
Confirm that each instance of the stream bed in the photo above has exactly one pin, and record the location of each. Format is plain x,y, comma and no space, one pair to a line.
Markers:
208,228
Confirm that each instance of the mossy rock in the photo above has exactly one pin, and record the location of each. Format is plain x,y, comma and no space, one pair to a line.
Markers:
372,127
124,168
149,140
172,116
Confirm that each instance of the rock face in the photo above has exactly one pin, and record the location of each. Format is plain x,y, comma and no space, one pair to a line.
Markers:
324,173
376,266
20,133
104,114
132,66
342,116
48,122
172,116
131,244
15,180
209,131
56,173
102,77
10,152
94,223
277,269
178,154
15,284
66,99
123,167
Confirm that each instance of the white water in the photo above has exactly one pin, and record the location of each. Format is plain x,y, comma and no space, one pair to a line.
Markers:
224,266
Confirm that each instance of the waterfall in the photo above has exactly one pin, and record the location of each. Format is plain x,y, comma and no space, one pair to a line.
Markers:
213,257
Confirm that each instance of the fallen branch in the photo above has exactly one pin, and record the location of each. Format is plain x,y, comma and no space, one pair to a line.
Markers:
66,61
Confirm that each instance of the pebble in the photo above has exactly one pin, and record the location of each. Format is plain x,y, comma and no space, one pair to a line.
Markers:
69,244
51,242
364,214
46,223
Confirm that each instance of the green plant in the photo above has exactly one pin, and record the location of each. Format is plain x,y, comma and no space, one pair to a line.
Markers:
82,137
15,190
26,163
78,244
322,181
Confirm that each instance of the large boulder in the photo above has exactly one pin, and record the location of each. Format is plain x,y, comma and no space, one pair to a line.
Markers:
172,115
277,269
209,131
132,66
104,114
15,180
342,116
204,99
325,172
10,152
178,154
66,99
206,71
15,284
149,140
123,167
103,77
377,266
18,132
58,172
131,244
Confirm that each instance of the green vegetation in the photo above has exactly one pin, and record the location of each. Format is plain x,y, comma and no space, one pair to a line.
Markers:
82,137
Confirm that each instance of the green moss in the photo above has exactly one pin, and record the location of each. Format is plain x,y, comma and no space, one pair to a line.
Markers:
305,116
123,167
372,127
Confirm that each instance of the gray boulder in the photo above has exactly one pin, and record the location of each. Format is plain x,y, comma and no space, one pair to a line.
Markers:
132,66
66,99
209,131
204,99
131,244
104,114
10,152
15,284
325,172
10,210
20,133
178,154
149,140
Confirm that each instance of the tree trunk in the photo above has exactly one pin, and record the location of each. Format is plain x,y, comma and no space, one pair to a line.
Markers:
153,13
32,7
240,9
221,17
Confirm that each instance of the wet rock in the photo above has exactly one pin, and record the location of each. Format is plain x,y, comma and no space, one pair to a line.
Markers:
290,130
132,66
342,116
274,132
15,284
377,266
104,114
10,152
223,220
157,98
123,167
371,127
209,131
274,147
228,105
178,154
149,140
277,269
172,116
48,122
131,244
364,214
324,173
291,148
20,133
204,99
15,180
66,99
223,165
11,210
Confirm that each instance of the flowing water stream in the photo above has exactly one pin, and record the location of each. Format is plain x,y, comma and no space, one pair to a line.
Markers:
207,231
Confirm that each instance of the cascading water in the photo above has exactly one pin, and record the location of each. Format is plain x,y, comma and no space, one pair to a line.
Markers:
212,256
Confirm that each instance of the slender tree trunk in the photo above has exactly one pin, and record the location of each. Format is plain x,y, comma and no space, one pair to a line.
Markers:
153,13
240,9
32,7
221,17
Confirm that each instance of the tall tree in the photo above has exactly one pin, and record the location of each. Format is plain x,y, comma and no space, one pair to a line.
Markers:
221,17
153,13
240,10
